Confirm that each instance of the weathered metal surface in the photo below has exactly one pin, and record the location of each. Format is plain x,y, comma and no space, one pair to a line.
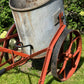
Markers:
26,57
37,27
23,5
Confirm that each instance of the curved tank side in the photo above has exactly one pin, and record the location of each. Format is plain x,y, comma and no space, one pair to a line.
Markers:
37,27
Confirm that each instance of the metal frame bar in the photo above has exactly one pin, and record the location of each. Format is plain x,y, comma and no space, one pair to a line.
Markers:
26,57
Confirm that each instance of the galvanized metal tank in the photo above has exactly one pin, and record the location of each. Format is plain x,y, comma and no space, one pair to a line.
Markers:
35,21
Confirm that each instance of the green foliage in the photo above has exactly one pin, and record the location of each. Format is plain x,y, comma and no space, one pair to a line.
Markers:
82,13
74,10
5,15
3,35
26,75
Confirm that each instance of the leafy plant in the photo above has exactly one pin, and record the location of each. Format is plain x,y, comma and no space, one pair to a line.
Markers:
5,15
74,10
3,34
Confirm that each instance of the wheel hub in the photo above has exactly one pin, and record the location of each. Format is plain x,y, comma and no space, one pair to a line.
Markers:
68,56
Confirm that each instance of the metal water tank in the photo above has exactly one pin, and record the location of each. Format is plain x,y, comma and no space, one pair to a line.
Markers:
36,21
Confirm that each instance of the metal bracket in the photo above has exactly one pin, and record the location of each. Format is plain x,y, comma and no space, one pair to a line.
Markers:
56,17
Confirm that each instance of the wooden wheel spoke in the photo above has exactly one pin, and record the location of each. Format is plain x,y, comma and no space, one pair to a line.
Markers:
77,51
61,57
63,67
75,39
64,73
72,43
73,60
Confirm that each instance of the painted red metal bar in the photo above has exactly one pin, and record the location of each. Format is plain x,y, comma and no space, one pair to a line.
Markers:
50,49
5,50
13,27
7,61
20,53
26,56
11,30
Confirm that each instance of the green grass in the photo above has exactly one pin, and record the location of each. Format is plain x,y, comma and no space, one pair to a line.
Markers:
15,76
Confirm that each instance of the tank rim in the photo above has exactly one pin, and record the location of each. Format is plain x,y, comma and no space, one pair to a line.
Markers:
26,9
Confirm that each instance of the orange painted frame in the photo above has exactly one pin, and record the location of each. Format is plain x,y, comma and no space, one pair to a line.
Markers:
49,50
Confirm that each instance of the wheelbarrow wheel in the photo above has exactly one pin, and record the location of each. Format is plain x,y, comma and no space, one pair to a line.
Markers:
66,55
6,44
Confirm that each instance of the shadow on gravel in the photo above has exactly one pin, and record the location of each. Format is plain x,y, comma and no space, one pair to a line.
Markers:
38,63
